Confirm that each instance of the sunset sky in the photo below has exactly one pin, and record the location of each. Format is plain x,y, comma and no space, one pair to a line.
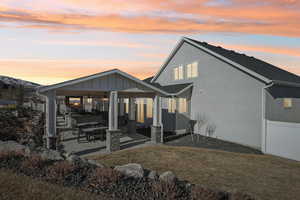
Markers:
49,41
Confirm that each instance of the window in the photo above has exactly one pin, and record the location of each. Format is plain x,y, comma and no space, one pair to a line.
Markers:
140,110
287,103
178,73
171,105
89,100
126,101
149,108
192,70
182,105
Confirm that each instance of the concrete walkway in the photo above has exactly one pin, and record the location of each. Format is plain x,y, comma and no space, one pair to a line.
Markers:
85,148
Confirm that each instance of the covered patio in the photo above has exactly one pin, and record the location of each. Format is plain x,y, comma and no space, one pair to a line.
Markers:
113,87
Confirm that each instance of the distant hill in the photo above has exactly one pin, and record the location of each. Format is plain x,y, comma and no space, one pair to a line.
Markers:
5,80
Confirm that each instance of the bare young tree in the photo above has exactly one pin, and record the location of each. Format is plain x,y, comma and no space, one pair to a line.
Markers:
201,121
211,129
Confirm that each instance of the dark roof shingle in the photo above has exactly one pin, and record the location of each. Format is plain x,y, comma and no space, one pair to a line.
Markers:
174,88
260,67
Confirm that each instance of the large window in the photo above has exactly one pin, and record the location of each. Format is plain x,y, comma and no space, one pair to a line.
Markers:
287,103
192,70
182,105
149,108
178,73
140,111
171,105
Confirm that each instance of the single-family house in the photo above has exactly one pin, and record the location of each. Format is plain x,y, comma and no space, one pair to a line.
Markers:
231,96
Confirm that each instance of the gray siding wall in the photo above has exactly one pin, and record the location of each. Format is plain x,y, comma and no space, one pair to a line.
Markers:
227,97
106,83
276,112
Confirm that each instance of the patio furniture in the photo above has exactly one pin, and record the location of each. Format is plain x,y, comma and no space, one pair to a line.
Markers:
94,131
85,124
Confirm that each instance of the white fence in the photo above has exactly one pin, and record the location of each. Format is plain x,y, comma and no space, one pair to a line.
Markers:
283,139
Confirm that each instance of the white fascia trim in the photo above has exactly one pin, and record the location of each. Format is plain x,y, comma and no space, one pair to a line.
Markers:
179,43
230,61
101,74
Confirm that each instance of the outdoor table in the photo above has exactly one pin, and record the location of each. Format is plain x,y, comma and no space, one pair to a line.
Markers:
87,124
93,131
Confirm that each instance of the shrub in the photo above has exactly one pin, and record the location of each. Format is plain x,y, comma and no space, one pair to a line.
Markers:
169,191
207,194
104,178
34,166
60,171
11,160
240,196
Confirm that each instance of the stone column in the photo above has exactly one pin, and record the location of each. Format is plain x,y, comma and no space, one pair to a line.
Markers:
113,134
132,116
51,120
156,128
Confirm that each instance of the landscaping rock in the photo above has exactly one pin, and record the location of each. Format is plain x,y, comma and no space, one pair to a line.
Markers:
12,146
153,175
168,177
131,170
74,159
95,163
49,154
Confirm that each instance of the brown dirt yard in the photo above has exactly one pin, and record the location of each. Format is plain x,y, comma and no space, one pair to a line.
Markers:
20,187
263,176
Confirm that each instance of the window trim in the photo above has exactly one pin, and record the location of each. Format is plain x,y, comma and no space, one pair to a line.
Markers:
287,103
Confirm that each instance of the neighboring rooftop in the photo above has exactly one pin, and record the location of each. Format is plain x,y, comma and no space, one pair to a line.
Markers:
261,67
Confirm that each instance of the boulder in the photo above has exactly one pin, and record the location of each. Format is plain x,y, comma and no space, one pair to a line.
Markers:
48,154
74,159
168,177
12,146
133,170
95,163
153,175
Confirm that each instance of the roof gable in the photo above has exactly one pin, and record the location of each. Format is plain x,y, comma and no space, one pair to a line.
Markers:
87,82
256,65
255,68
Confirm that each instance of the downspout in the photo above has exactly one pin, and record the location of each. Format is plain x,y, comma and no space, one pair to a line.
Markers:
264,121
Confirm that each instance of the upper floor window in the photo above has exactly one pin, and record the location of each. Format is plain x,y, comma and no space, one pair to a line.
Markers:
192,70
287,103
178,73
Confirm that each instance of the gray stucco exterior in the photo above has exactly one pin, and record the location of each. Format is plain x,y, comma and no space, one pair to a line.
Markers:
228,98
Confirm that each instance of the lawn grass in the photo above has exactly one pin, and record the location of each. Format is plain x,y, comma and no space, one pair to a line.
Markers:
262,176
20,187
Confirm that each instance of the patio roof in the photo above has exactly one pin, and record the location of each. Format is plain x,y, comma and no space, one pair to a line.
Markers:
101,83
113,80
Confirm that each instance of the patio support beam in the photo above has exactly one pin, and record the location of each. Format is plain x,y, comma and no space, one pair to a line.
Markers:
113,134
156,128
132,116
51,120
122,107
113,110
